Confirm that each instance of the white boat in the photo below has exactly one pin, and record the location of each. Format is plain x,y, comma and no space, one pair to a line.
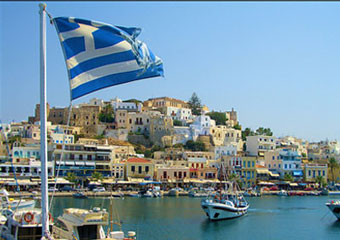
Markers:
334,206
225,205
81,224
282,193
24,225
14,204
85,225
197,193
174,191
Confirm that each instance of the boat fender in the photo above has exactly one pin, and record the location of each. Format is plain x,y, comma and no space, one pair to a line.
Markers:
332,202
50,218
28,217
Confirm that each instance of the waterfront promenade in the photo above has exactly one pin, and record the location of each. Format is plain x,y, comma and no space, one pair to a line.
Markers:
128,193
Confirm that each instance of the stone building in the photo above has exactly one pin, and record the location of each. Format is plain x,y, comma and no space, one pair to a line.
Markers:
159,128
162,103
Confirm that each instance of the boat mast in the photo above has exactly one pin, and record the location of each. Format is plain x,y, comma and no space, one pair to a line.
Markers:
43,119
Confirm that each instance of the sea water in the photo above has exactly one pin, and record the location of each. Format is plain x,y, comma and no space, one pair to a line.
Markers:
181,218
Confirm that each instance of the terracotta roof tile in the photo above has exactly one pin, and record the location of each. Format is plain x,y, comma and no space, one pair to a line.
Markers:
138,160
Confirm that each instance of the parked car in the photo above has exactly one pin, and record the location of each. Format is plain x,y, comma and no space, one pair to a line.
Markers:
99,189
67,188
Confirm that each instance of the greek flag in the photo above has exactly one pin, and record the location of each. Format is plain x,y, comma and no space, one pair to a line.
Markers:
99,55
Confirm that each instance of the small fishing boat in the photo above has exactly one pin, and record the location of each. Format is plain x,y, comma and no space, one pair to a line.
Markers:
334,206
79,195
197,193
225,204
282,193
14,204
174,192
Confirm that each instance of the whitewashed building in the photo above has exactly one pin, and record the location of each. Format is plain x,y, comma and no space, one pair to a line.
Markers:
257,145
201,126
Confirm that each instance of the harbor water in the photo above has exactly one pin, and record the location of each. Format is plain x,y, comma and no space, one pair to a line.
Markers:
181,218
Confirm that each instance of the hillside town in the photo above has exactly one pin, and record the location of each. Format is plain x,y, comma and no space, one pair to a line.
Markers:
171,141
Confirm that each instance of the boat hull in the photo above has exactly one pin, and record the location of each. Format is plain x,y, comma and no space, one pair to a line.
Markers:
218,211
335,209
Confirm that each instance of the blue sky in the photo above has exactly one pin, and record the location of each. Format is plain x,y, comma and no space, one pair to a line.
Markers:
277,64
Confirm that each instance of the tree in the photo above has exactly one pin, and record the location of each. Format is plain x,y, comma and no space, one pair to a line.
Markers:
106,115
247,132
332,163
219,117
195,104
237,126
194,146
148,153
288,177
71,177
178,123
320,180
264,131
97,176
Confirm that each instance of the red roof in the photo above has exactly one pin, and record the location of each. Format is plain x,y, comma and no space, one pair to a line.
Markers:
138,160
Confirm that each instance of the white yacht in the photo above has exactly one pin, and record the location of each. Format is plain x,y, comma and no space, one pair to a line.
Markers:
13,204
81,224
85,224
334,206
23,225
225,204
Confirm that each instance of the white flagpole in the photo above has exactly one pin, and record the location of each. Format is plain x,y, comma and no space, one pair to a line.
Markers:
43,119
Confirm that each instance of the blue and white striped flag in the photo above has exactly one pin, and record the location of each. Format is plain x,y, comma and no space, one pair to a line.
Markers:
99,55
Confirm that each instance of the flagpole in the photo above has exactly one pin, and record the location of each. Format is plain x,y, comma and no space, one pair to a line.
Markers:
43,119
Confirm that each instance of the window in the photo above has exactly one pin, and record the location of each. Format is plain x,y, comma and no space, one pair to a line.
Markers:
175,174
146,168
323,173
133,168
253,164
248,164
185,174
139,169
273,157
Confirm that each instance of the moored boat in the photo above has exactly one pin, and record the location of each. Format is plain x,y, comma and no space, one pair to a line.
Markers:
85,224
79,195
24,225
334,206
13,204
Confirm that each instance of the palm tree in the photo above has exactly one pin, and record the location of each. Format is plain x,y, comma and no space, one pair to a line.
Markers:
288,177
333,164
320,180
97,176
71,177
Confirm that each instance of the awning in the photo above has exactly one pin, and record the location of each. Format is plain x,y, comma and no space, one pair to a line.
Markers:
22,182
262,171
90,163
297,173
266,183
274,174
302,184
